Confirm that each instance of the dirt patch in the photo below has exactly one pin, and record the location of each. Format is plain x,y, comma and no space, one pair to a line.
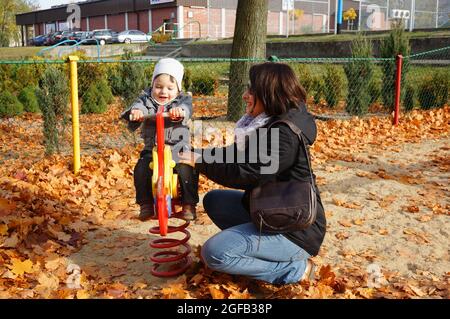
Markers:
371,212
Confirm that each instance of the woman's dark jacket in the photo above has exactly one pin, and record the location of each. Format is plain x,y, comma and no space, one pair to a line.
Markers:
292,165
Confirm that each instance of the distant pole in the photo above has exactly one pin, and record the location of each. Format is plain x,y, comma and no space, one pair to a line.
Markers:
335,16
412,15
398,88
339,15
287,23
328,18
207,4
387,16
437,14
359,15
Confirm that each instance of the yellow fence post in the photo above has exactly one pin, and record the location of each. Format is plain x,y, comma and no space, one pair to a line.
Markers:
75,112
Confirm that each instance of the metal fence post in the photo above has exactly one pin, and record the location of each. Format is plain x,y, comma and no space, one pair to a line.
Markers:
75,112
398,87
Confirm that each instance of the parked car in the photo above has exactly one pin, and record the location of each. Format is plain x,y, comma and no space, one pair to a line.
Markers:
38,41
103,36
133,36
79,36
55,37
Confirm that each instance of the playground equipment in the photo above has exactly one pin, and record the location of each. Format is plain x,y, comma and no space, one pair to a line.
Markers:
166,193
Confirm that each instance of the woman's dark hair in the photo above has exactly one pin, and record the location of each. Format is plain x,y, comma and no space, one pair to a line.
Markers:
276,86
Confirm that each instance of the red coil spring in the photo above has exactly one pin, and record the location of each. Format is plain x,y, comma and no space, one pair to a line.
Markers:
180,261
177,262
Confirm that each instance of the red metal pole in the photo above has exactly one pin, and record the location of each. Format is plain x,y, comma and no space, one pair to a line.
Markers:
161,197
398,88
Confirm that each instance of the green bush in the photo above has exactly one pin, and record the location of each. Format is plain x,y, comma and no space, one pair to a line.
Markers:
158,37
187,79
53,96
333,85
148,73
89,73
396,43
114,80
317,89
408,103
4,39
105,91
93,101
9,105
127,79
204,85
359,75
434,90
305,77
29,100
374,91
7,82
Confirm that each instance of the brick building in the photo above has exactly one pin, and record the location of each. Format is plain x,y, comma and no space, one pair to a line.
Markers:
189,18
216,18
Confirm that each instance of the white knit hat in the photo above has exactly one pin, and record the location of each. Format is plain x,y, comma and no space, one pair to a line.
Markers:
172,67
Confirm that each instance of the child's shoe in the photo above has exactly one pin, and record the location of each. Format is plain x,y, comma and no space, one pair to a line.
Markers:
147,212
189,212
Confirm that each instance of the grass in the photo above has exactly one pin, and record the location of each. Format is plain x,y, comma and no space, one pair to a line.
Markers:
18,53
335,38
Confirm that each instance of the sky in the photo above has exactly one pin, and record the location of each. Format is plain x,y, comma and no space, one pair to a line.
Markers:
46,4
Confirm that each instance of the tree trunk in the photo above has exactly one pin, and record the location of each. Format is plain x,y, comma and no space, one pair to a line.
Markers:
249,42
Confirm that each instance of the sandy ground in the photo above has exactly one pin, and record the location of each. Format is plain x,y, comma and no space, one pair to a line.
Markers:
388,209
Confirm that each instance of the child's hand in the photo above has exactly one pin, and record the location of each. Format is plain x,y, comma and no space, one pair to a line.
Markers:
136,116
176,113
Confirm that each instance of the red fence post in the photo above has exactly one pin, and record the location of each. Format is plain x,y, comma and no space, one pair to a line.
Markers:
398,88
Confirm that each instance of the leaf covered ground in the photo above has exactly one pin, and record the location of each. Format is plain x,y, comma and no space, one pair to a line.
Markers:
385,190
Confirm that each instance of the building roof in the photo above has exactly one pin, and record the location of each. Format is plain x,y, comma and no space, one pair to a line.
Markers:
98,8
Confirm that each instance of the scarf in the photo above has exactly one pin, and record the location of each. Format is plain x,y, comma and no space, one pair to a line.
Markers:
246,125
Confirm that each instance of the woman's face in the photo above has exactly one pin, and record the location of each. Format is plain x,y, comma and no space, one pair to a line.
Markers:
253,107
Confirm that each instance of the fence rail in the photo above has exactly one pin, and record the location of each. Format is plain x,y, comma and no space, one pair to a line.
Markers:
334,86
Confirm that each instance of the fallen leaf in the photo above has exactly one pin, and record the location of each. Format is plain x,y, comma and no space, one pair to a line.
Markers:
215,292
342,235
83,294
425,218
3,230
345,223
6,208
49,281
412,209
175,291
19,267
417,291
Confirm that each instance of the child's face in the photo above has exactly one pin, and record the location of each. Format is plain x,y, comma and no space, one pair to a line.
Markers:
164,89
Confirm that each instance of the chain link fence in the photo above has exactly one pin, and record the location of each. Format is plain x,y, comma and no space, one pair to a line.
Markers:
337,89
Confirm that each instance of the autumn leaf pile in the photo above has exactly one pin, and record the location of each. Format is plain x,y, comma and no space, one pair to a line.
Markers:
46,211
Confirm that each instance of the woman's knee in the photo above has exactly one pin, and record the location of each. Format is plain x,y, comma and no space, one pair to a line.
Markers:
222,251
210,200
213,256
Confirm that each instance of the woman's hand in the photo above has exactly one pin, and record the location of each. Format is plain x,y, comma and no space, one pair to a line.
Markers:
188,158
136,116
176,113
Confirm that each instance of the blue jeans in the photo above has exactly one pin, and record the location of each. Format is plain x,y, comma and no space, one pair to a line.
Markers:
235,249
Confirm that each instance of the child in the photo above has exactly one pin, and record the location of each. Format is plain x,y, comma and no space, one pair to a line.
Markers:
165,90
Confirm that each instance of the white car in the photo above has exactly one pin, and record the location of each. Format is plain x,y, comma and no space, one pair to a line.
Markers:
133,36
